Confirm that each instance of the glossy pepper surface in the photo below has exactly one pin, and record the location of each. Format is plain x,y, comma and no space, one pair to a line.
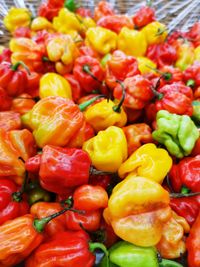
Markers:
155,33
10,120
107,156
146,162
138,200
144,16
177,133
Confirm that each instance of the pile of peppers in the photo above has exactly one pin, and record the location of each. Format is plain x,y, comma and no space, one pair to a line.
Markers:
99,139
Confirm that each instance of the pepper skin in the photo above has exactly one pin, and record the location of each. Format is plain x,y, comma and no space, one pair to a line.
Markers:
172,243
185,53
102,115
41,23
22,104
5,100
193,244
101,40
10,207
146,65
49,117
103,9
10,120
53,84
138,92
138,201
177,133
132,42
155,33
143,16
88,72
137,135
107,156
192,73
75,87
146,161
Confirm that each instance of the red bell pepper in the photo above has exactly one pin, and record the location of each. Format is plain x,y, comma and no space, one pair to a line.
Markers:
67,248
119,67
88,72
138,92
193,244
12,79
13,203
103,9
143,16
10,120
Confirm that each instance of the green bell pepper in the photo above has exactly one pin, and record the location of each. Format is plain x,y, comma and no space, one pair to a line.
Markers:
125,254
178,133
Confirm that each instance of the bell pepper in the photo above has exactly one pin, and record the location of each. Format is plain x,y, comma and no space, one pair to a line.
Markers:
67,22
132,42
178,133
22,104
138,92
103,9
62,50
43,209
13,203
75,86
185,53
193,244
138,201
20,236
41,23
102,115
175,98
187,207
144,63
187,173
162,54
172,243
137,135
155,33
16,147
88,72
11,79
107,156
10,120
53,84
17,17
146,161
120,66
143,16
115,22
69,248
101,40
191,74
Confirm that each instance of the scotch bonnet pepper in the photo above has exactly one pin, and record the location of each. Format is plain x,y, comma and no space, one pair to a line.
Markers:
178,133
138,200
155,33
108,149
146,161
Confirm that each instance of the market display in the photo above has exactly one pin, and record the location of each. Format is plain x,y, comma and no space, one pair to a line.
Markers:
99,139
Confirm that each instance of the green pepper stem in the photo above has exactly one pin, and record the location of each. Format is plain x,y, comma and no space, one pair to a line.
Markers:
17,64
86,68
190,83
169,263
159,96
45,59
180,195
85,104
185,190
17,196
39,224
68,202
165,75
96,245
94,171
117,108
160,31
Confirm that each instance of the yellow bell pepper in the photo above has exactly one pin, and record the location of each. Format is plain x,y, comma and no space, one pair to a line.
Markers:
137,210
172,243
62,50
145,65
108,149
68,22
101,40
41,23
197,53
185,55
17,17
148,161
155,33
52,84
132,42
102,115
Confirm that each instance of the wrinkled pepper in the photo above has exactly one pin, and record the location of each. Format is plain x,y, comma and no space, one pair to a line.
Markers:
185,53
155,33
177,133
10,120
143,16
103,9
107,156
22,104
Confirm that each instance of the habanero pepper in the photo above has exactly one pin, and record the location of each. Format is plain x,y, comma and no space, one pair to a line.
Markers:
194,34
22,32
191,75
155,33
143,16
22,104
5,55
76,89
10,120
50,8
103,9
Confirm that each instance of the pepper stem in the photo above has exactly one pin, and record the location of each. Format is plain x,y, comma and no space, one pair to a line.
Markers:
85,104
180,195
96,245
190,83
185,190
17,64
94,171
39,224
86,68
165,75
17,196
117,108
159,96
